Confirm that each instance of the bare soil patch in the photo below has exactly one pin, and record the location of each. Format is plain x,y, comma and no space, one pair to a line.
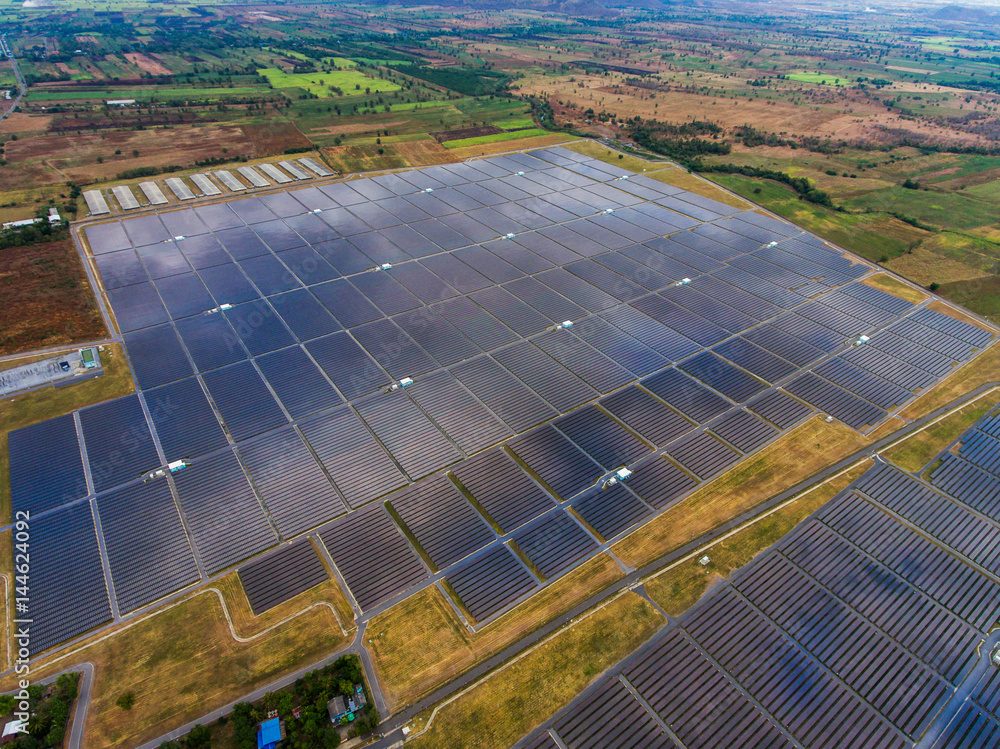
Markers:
468,132
148,64
20,122
47,300
275,138
355,127
425,153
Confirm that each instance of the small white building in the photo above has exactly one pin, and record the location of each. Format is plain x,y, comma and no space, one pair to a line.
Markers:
120,102
22,223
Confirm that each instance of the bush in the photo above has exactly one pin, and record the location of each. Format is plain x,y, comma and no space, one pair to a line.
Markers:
200,737
126,700
934,286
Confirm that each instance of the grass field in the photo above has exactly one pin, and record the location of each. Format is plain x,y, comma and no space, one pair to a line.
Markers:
161,93
824,79
894,286
419,644
188,652
949,210
514,700
321,84
792,458
495,138
918,450
679,588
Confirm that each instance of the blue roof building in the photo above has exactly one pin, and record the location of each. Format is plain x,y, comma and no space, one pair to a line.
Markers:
269,734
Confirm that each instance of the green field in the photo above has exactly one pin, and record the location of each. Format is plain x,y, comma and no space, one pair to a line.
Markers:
829,79
349,81
943,209
496,137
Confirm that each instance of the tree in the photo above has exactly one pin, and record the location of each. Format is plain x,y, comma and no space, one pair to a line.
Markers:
200,737
126,700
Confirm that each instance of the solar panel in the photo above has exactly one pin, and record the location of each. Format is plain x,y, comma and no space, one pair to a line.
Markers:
137,306
502,489
659,482
702,454
410,437
68,591
184,296
226,520
204,251
118,442
298,382
157,356
119,269
210,340
304,315
554,543
297,494
457,412
46,469
691,398
184,421
358,464
282,575
148,551
744,431
563,468
353,372
244,402
371,554
441,520
602,438
610,511
491,582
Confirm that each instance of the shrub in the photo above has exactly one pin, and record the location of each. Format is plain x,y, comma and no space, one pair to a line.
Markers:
126,700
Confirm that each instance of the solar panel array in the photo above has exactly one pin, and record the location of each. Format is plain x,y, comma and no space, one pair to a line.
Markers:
559,318
871,624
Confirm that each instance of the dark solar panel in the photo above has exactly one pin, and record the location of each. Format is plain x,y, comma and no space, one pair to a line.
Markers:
545,376
228,284
561,466
780,409
703,455
503,489
304,316
184,421
591,366
243,400
659,482
410,437
346,303
148,550
602,438
732,382
120,269
647,416
137,306
491,582
836,401
109,237
295,491
282,575
453,408
503,393
184,295
259,327
755,360
620,347
442,521
398,354
210,340
610,717
554,543
691,398
436,336
511,311
372,555
610,511
298,382
46,469
119,445
163,260
353,372
68,592
744,431
357,463
225,518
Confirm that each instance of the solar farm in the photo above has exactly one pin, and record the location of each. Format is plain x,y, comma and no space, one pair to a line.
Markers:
477,374
872,624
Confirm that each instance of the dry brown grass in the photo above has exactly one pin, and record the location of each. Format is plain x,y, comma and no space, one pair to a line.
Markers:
691,183
610,156
505,146
425,153
947,309
919,449
516,699
894,286
183,662
925,266
793,458
982,370
420,643
679,588
248,625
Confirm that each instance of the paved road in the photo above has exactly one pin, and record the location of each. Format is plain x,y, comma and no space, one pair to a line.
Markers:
20,85
392,727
